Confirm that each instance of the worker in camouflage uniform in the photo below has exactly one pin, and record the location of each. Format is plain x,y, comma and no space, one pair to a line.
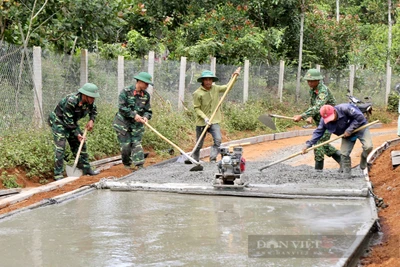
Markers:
64,125
319,96
205,102
133,111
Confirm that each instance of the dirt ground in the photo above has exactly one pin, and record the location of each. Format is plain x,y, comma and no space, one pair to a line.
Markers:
385,179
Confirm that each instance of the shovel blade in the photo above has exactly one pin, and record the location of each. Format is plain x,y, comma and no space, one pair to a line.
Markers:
197,168
267,121
73,172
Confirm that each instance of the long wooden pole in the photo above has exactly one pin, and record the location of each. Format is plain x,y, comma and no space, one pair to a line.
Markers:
314,147
230,84
280,116
172,144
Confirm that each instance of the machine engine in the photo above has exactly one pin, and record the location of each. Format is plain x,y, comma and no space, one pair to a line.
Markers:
231,166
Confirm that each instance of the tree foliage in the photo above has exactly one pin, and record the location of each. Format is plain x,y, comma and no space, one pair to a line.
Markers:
327,41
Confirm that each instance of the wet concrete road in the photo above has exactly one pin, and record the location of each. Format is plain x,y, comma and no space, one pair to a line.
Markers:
106,228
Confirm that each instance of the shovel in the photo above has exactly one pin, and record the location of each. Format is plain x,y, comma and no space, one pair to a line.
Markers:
73,171
230,84
196,168
314,147
267,121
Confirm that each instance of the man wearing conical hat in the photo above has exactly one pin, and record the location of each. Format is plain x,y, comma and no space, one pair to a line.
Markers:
64,125
319,95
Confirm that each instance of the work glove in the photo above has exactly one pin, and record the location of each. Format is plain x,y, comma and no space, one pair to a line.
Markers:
207,121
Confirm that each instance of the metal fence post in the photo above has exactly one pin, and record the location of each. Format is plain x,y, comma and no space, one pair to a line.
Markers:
182,78
37,83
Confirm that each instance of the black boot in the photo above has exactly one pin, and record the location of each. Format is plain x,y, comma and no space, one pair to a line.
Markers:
337,158
90,172
319,165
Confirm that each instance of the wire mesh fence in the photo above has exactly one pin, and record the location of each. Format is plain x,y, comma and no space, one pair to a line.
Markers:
16,85
61,76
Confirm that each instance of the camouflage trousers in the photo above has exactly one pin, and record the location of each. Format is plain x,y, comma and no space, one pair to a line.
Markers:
130,141
327,149
60,136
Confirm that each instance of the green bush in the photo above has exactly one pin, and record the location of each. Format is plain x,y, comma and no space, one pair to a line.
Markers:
9,181
393,103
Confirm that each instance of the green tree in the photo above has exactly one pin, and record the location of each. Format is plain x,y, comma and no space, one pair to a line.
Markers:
60,24
372,52
327,41
226,33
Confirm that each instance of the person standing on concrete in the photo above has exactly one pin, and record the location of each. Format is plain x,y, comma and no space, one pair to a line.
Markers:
319,95
344,119
64,125
133,111
205,102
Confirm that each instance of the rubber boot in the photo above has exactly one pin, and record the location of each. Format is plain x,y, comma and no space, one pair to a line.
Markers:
90,172
319,166
363,162
346,165
337,157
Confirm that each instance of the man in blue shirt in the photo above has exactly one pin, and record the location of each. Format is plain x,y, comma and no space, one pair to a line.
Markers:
344,119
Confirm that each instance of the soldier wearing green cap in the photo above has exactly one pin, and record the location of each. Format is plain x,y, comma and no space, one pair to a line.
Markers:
319,96
64,125
133,111
205,101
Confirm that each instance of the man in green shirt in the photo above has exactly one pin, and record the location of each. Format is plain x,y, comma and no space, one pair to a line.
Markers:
205,102
319,96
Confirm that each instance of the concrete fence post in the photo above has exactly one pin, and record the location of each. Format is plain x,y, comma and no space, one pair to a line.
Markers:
351,78
280,82
151,70
182,78
120,74
388,84
213,65
246,81
84,66
38,85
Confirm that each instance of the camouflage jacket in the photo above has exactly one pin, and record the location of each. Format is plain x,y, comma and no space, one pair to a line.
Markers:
131,103
319,96
68,112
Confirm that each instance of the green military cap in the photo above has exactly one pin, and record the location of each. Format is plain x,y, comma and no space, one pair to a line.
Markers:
89,89
313,75
207,74
144,77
